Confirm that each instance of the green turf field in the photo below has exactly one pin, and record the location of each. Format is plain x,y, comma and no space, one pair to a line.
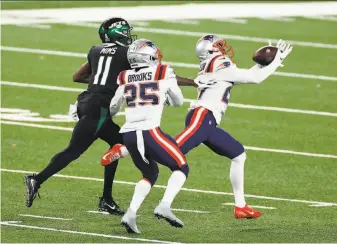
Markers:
286,184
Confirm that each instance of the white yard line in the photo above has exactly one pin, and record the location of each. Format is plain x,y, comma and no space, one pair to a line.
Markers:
39,86
174,209
9,223
183,189
42,51
140,23
287,110
35,26
236,105
104,213
232,37
98,212
190,211
254,206
51,127
182,11
236,21
176,64
328,18
42,217
183,22
283,151
290,152
282,19
322,205
225,36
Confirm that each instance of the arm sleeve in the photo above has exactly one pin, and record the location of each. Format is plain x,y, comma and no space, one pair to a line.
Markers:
88,56
254,75
174,93
117,101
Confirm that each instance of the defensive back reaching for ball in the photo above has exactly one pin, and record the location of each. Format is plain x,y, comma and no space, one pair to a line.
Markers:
217,76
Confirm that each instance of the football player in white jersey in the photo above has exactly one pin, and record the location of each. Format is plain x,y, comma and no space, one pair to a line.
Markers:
216,77
145,89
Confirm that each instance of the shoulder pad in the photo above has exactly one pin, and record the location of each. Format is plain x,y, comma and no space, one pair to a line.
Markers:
90,50
121,78
222,63
164,71
170,73
209,67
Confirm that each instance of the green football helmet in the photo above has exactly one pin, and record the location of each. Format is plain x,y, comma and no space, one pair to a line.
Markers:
116,30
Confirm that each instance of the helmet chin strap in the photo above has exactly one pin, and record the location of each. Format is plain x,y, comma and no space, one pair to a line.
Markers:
121,44
211,55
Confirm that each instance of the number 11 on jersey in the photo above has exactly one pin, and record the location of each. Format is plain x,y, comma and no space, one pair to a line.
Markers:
100,79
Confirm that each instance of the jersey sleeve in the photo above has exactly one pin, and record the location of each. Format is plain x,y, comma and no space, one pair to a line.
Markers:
254,75
174,92
170,73
89,56
121,78
117,101
163,72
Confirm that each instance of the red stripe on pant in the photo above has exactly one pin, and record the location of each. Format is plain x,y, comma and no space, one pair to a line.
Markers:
194,125
174,151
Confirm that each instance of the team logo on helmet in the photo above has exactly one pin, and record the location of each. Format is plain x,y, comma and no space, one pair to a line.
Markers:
118,24
147,44
208,38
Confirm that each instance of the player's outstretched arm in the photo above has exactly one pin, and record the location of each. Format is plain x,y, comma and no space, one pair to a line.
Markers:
257,73
185,81
82,75
174,93
117,101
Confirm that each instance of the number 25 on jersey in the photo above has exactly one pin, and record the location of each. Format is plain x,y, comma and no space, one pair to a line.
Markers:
145,92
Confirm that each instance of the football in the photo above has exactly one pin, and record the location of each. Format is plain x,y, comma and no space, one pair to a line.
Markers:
265,55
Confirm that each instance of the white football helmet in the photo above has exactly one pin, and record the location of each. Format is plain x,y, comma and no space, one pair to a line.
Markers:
142,53
210,46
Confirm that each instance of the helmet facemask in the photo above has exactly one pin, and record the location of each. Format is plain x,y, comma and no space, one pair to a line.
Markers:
221,46
159,56
210,46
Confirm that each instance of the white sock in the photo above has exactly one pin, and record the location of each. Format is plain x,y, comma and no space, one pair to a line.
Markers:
174,185
237,179
124,151
142,188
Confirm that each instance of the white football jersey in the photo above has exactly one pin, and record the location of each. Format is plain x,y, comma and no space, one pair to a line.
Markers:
145,91
213,92
216,77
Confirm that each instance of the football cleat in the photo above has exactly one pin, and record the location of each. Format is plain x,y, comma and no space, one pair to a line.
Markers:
246,212
32,187
109,206
129,222
163,211
112,155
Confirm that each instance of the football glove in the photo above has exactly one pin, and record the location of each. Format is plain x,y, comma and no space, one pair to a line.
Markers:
73,112
167,101
283,49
